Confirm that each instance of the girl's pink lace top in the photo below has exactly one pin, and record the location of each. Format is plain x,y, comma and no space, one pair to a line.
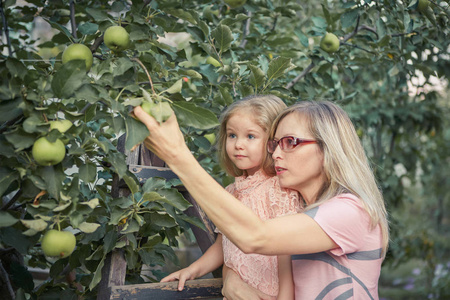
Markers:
265,197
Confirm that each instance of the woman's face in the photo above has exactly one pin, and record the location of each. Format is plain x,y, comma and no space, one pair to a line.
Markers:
300,168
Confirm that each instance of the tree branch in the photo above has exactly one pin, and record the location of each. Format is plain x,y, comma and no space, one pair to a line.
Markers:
300,76
73,23
12,201
98,41
342,42
358,47
5,25
146,72
246,30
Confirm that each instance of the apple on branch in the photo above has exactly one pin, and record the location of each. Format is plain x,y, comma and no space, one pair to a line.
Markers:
116,38
161,111
46,153
78,51
329,43
57,243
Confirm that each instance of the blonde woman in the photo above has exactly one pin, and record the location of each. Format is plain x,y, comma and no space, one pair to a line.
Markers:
338,244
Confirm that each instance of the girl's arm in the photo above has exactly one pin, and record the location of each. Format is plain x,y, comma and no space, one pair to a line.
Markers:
208,262
234,288
286,291
294,234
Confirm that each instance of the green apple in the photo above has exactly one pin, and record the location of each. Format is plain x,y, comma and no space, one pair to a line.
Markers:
234,3
211,137
116,38
161,111
422,5
61,125
46,153
212,61
78,51
329,43
58,243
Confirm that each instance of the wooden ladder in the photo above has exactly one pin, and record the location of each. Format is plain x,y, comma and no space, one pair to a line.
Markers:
144,164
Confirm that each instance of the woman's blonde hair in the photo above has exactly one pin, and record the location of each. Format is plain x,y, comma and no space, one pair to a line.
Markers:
346,166
263,109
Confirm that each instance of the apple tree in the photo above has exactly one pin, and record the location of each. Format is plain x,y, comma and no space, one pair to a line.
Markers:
385,62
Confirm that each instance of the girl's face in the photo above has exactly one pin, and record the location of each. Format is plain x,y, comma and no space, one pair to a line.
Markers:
300,168
245,144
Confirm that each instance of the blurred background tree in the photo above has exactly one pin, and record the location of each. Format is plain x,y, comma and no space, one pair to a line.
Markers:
390,72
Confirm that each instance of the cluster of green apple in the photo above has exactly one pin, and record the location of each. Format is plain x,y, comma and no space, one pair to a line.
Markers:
116,38
47,153
161,110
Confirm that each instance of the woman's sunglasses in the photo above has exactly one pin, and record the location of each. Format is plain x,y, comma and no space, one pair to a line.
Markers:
287,143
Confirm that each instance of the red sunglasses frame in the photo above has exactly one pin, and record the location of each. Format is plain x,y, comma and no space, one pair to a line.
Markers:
285,146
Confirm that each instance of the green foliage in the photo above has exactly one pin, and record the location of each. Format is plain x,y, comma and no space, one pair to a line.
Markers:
387,73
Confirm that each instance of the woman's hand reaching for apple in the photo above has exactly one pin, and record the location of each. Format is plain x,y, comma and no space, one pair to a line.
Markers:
165,138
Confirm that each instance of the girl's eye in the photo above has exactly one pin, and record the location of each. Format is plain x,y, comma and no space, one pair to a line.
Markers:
251,136
231,135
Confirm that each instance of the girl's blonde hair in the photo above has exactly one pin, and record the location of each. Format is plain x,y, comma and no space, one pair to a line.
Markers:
346,166
263,109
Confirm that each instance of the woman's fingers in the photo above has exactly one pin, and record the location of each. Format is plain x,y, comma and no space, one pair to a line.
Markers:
145,118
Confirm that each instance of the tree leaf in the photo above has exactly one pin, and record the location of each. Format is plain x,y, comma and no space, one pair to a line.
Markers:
88,227
53,177
97,274
97,14
174,198
69,78
136,132
7,219
10,109
88,28
16,67
277,67
7,176
37,225
131,182
93,203
349,18
20,139
163,220
256,76
190,114
176,87
59,27
222,37
87,172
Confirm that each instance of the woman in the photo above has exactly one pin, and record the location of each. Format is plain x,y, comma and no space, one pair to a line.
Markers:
338,243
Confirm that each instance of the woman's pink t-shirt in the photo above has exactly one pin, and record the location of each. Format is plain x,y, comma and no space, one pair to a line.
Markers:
268,200
350,271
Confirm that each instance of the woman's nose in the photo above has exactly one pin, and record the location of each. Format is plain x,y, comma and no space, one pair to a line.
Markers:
277,153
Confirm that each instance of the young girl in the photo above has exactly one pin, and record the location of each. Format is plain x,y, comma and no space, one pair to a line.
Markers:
242,147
